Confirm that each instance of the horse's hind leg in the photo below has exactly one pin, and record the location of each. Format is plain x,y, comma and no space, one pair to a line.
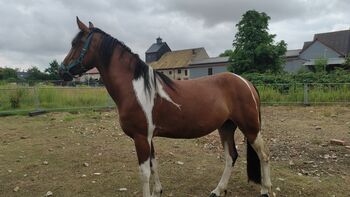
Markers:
256,143
226,132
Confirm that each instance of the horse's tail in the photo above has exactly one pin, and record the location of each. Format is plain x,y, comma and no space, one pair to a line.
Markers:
253,161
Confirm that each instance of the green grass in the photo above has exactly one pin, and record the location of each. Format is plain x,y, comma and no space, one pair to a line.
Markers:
19,99
317,93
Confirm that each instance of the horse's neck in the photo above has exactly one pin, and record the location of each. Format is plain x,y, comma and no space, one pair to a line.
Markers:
117,78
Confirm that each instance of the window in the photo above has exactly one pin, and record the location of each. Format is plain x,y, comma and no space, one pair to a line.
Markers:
186,72
179,71
210,71
170,72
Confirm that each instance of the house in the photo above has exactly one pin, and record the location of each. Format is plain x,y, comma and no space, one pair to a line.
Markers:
91,75
208,66
331,46
22,75
156,50
183,64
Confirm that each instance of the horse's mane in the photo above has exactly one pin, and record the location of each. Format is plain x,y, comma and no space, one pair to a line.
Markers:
107,47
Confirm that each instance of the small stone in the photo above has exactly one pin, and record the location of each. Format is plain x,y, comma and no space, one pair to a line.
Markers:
278,189
348,147
318,128
337,142
291,163
308,162
299,174
93,181
9,171
16,189
123,189
83,175
180,162
49,193
281,179
25,175
86,164
97,173
45,163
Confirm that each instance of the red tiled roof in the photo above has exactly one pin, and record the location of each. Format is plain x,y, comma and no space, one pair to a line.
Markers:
93,71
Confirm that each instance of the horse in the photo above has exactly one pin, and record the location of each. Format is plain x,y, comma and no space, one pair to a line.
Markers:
152,105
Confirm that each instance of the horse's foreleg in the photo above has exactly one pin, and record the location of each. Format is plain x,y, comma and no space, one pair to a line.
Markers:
143,150
227,138
157,189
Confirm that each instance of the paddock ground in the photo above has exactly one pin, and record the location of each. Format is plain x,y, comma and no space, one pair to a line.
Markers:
87,154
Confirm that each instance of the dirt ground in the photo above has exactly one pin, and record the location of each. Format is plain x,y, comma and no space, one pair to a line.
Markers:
87,154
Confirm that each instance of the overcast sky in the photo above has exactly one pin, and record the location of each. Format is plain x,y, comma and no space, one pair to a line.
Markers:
34,32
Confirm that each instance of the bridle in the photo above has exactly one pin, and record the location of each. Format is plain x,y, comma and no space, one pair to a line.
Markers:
69,71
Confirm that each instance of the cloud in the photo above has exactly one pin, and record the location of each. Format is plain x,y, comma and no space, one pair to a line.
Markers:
34,32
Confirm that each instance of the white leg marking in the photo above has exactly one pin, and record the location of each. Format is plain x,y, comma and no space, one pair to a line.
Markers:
145,173
220,189
157,185
250,89
260,149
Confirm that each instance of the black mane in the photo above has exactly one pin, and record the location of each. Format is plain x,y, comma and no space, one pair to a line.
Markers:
107,47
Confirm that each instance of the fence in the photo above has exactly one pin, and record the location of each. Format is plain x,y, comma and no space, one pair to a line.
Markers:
19,99
306,94
28,99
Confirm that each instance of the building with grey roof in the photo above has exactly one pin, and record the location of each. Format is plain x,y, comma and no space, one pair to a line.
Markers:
332,46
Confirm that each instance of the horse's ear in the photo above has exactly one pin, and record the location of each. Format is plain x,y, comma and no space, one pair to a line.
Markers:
91,26
82,26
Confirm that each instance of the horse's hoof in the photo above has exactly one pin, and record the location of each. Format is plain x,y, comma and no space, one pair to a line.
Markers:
214,195
264,195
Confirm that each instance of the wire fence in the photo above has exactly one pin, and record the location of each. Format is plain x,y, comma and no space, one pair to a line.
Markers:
20,99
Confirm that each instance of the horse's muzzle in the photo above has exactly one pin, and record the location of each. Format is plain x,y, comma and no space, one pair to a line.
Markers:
64,73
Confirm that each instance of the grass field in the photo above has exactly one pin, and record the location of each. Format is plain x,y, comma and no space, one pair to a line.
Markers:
48,152
18,98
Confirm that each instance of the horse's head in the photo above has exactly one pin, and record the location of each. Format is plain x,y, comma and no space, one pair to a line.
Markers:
79,58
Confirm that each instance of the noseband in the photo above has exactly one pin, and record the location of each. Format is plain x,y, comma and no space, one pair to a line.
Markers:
77,65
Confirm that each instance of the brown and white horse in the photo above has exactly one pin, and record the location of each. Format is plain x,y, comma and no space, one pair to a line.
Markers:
150,104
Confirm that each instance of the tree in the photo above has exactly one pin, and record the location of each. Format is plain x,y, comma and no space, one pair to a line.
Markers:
53,70
8,73
254,48
347,62
227,53
35,74
320,65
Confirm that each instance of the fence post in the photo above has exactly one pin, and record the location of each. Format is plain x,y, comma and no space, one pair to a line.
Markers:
306,95
37,100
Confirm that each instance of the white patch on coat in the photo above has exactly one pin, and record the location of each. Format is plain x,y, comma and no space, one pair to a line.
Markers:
251,91
146,99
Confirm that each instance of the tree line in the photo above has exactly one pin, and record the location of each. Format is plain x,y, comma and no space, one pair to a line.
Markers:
32,74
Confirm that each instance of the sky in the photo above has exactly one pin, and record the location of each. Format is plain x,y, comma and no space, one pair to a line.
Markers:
35,32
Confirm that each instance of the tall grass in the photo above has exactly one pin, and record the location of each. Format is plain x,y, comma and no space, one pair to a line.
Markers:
14,97
49,97
294,93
